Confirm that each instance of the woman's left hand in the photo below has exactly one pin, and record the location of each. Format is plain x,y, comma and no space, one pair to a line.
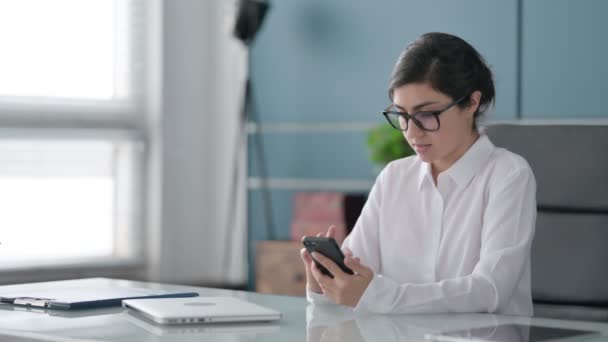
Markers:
345,289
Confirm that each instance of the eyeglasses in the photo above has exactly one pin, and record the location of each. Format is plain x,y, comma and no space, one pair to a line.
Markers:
426,121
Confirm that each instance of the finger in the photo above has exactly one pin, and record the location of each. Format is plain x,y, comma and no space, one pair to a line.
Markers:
323,280
331,232
329,264
306,259
356,265
347,252
320,234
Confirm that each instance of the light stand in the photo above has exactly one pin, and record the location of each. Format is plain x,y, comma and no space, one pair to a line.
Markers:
250,16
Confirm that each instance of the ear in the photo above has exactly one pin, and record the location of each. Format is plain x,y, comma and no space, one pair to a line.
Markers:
474,101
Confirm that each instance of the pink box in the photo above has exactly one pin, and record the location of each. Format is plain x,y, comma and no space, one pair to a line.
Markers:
315,212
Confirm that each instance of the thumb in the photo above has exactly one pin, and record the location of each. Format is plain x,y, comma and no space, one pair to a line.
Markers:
331,231
306,258
356,265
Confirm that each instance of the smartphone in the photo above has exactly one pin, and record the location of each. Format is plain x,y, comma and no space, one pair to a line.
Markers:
329,248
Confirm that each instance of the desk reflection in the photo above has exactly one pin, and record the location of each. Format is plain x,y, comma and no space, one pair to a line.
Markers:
329,323
502,333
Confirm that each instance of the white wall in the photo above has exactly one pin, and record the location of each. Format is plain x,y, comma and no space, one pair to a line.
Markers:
193,144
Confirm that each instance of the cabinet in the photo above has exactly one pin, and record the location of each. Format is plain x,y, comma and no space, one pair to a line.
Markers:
279,269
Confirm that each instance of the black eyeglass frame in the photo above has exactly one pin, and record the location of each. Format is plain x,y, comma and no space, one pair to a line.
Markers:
407,117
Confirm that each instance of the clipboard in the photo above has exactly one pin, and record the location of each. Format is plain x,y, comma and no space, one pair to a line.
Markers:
80,294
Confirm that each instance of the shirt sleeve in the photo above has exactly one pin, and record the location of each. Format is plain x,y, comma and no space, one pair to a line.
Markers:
363,240
507,232
328,315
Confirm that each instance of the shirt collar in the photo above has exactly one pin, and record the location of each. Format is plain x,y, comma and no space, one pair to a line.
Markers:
464,168
424,173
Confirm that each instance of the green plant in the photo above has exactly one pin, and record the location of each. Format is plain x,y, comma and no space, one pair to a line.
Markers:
386,144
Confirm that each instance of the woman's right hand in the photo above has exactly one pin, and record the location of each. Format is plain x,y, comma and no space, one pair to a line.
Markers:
311,283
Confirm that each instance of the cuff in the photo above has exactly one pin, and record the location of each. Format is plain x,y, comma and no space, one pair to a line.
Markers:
368,300
327,315
316,298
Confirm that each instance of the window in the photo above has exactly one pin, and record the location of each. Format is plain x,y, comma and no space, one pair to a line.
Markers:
66,49
61,199
71,117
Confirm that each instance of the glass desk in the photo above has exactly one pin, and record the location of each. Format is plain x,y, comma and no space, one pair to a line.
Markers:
300,322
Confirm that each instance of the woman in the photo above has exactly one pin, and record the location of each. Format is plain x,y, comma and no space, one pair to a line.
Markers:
449,229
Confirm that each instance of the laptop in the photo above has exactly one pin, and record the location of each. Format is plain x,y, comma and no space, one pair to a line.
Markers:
198,310
199,329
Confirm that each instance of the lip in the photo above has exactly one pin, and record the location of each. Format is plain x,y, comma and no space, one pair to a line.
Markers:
422,148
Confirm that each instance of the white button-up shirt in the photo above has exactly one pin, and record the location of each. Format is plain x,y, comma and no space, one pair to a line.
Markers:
462,245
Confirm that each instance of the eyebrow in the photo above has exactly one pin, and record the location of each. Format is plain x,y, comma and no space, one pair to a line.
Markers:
418,106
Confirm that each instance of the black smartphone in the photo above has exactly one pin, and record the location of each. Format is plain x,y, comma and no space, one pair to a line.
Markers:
329,248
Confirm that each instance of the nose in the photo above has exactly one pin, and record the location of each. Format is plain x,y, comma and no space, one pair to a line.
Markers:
413,131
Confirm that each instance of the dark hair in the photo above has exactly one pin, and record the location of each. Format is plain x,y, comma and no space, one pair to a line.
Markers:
450,65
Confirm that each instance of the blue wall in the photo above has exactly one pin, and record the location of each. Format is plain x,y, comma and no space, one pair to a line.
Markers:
320,61
565,59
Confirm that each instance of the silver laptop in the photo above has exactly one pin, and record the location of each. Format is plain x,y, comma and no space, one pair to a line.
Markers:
200,310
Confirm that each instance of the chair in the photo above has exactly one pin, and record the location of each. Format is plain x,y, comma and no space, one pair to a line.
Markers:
570,249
